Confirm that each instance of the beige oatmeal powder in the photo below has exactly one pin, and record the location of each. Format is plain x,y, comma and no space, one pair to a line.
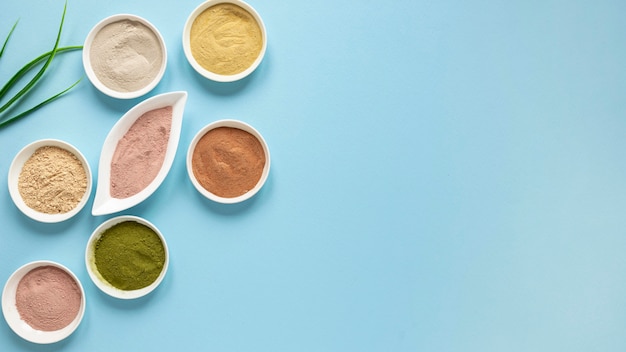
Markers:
52,180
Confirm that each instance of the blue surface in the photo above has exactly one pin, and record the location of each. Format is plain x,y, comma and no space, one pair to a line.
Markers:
446,176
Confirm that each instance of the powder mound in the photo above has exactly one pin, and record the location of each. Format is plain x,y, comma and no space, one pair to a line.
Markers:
228,162
140,153
52,180
225,39
129,255
126,55
48,298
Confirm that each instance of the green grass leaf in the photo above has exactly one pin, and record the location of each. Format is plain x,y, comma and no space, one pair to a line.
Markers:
40,73
30,66
36,107
6,41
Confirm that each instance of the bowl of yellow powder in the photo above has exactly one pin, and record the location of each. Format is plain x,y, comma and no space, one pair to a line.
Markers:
224,40
228,161
124,56
126,257
50,180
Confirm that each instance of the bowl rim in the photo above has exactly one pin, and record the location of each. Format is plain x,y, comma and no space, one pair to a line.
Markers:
187,46
19,326
89,69
100,282
235,124
16,168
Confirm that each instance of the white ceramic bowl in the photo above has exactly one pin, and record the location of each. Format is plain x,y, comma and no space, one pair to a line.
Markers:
187,47
103,202
19,326
99,281
16,168
89,68
242,126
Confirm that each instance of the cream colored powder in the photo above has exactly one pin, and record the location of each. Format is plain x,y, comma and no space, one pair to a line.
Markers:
126,56
225,39
52,181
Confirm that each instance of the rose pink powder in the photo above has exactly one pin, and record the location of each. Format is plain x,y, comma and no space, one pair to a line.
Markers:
139,155
48,298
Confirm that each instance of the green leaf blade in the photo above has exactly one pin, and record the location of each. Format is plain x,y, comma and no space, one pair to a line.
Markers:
37,107
6,41
40,73
13,80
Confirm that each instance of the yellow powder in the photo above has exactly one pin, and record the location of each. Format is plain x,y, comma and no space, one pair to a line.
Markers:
225,39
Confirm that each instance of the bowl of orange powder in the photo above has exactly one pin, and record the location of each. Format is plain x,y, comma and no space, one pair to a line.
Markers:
228,161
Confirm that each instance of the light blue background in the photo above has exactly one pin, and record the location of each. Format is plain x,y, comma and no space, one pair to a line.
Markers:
446,176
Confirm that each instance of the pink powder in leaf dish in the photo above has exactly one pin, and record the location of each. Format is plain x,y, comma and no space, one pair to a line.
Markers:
43,302
138,153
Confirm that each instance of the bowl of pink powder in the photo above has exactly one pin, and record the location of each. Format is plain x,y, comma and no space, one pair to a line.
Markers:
43,302
138,153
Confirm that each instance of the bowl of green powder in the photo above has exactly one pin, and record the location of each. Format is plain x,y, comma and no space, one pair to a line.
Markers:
50,180
127,257
124,56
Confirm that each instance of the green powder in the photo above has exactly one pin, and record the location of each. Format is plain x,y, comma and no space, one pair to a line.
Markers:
129,255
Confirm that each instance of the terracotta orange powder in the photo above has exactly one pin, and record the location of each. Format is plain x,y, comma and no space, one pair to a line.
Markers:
228,162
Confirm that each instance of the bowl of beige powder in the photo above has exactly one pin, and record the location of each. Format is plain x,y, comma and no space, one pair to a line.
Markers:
43,302
50,180
224,40
124,56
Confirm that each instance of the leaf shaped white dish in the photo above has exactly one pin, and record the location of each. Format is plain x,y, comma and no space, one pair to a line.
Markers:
104,203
